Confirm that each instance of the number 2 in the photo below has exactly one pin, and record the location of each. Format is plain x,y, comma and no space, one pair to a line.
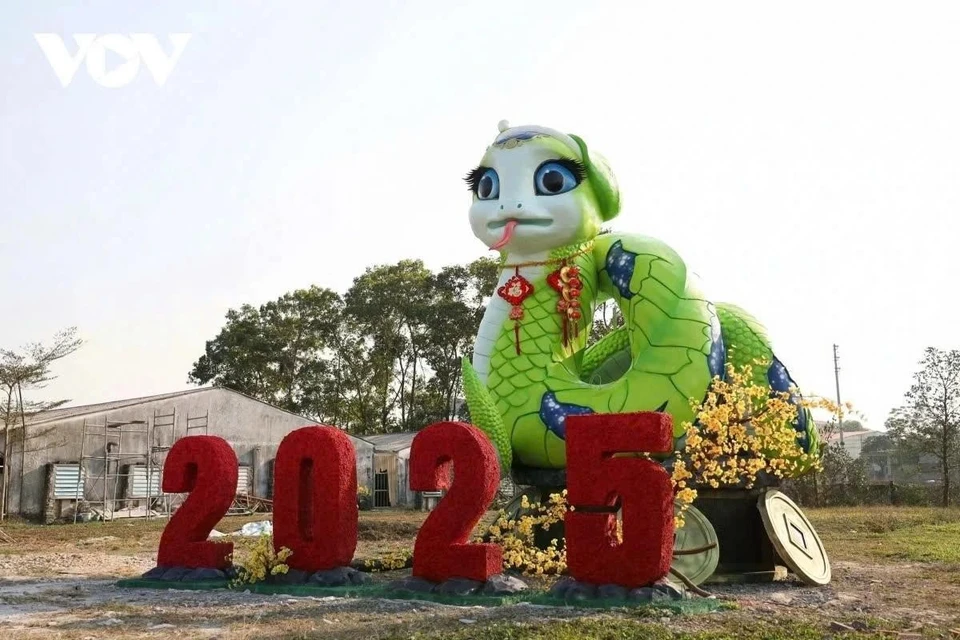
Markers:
441,550
206,468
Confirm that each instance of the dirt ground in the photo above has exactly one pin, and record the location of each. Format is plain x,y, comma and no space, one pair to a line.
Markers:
896,573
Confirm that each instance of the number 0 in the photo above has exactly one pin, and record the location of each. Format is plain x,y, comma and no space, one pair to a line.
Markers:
315,498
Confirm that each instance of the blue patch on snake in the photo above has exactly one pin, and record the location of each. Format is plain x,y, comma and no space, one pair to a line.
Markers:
717,357
620,264
554,413
780,380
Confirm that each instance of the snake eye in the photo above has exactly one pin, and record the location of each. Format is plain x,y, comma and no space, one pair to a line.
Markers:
556,177
488,186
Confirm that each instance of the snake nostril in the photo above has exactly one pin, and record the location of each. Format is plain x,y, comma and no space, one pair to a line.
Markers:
519,205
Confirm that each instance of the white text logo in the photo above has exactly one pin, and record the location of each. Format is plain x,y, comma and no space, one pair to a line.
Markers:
132,49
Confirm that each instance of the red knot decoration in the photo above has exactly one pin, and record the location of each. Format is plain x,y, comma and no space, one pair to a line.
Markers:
515,291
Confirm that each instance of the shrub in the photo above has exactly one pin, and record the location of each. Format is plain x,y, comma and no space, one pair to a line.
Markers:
262,562
364,498
742,435
517,537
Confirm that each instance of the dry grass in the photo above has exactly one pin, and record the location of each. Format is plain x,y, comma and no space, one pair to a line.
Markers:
896,569
377,530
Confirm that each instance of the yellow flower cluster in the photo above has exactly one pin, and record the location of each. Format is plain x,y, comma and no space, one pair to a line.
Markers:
683,495
390,562
742,429
362,491
516,537
262,561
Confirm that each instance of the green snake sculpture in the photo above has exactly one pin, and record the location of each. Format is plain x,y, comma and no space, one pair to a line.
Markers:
540,198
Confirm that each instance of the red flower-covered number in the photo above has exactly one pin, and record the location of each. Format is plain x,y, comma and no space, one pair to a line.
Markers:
642,487
206,468
315,498
441,551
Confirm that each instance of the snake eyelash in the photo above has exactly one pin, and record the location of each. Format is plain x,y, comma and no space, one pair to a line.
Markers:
576,167
473,178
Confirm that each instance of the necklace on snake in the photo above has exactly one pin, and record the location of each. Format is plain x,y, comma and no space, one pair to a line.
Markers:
565,280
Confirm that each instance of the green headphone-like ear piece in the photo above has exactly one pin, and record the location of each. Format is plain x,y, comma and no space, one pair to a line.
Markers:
602,180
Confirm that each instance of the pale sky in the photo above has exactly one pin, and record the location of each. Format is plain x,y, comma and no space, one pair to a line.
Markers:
804,159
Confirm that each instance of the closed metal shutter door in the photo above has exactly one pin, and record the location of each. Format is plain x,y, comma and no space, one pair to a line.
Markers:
68,481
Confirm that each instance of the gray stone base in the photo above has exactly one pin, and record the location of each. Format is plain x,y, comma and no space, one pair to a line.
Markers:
292,576
572,591
498,585
338,577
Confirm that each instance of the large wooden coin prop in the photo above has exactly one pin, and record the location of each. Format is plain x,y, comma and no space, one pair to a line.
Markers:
794,538
696,533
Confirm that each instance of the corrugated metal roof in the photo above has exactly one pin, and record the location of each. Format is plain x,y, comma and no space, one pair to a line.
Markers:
70,412
65,413
391,442
849,434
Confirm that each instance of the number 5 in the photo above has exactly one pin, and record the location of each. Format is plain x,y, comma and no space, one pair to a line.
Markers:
645,492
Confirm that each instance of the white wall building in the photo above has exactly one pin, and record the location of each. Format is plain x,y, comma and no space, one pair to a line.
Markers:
115,446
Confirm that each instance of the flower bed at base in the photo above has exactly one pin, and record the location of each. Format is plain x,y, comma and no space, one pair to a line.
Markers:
691,606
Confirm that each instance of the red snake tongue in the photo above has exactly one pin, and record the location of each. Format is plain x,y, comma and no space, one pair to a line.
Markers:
507,234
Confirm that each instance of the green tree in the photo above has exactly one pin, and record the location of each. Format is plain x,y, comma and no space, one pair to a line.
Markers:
844,478
390,306
929,421
27,369
417,325
275,352
457,304
347,398
385,357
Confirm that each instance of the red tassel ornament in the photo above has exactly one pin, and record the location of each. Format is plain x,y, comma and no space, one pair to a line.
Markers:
515,291
566,281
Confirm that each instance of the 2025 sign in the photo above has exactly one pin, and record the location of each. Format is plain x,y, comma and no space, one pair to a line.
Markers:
315,505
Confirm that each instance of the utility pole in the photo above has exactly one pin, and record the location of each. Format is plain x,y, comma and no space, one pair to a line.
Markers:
836,375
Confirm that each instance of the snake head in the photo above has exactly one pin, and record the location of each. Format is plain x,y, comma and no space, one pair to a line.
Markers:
538,189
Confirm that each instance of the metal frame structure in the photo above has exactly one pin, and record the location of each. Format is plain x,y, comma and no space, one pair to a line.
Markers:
120,459
158,455
159,447
110,432
197,425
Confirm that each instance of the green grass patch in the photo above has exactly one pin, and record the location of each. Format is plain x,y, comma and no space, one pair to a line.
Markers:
913,534
846,520
923,543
